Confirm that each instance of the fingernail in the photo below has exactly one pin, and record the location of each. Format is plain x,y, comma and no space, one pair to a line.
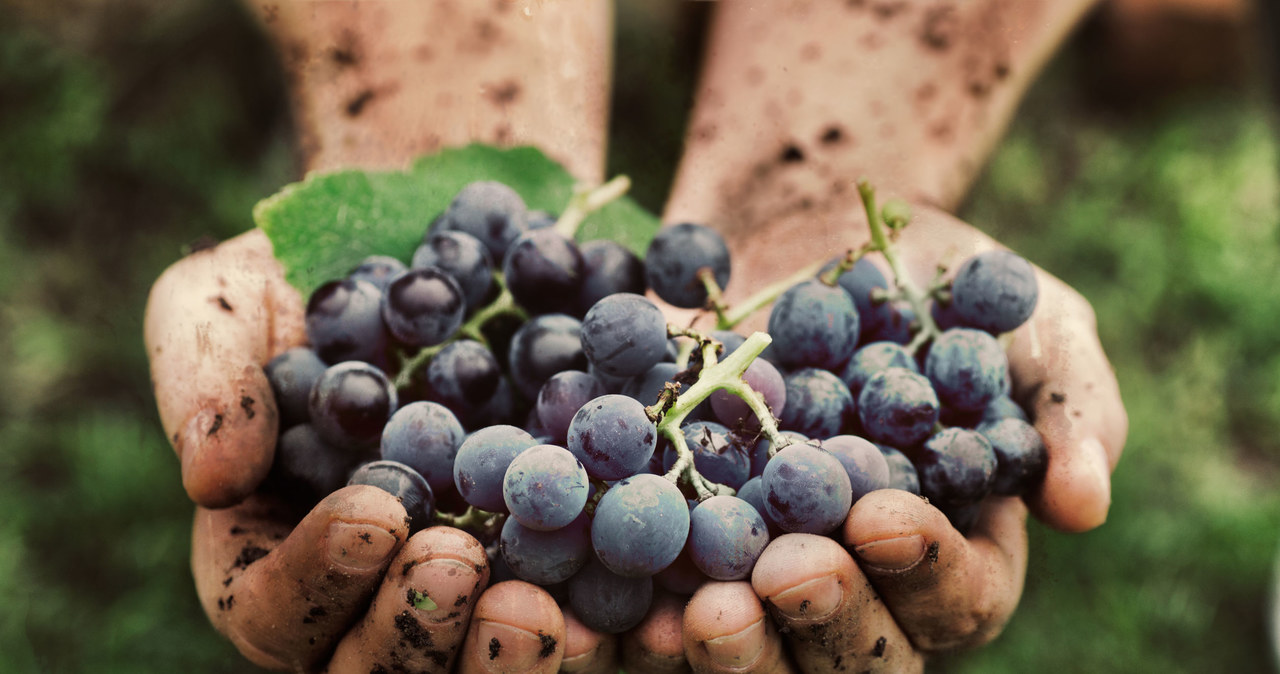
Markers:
1099,471
447,583
811,600
737,650
360,546
504,648
892,554
578,662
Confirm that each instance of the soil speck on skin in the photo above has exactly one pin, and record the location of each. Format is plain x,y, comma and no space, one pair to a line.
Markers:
217,424
356,105
804,607
238,531
504,93
317,612
495,647
226,306
366,537
832,135
548,646
878,651
412,631
940,26
1058,398
379,669
246,404
791,154
248,555
461,600
932,553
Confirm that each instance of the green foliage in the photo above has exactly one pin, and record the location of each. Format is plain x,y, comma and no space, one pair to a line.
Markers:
324,226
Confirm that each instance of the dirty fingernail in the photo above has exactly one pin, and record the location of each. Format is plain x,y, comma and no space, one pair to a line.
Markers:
811,600
737,650
448,585
360,546
892,554
504,648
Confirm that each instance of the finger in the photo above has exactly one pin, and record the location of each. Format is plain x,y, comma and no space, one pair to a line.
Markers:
285,601
213,319
1062,375
516,627
944,590
726,630
587,651
656,645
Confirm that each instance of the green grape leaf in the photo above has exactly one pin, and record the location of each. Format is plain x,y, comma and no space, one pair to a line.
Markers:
326,224
421,601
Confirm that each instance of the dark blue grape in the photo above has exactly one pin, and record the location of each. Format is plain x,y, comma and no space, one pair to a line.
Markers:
624,335
463,377
862,282
967,368
763,378
560,399
818,403
806,490
379,270
403,483
344,322
542,347
546,557
462,257
1003,407
753,492
814,325
489,211
608,268
612,436
873,358
424,436
543,271
292,374
501,409
902,474
718,455
862,460
682,576
607,602
726,537
351,403
306,468
945,316
898,407
540,219
545,487
423,307
995,291
674,257
1021,457
956,467
482,462
897,323
640,525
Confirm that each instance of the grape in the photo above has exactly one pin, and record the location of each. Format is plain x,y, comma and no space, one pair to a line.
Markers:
464,258
647,387
945,316
608,268
674,257
763,378
403,483
542,347
867,468
540,219
1021,457
624,335
898,407
995,291
464,376
1003,407
967,369
344,322
607,602
806,490
489,211
560,399
682,576
818,403
956,467
640,525
543,270
814,325
873,358
424,436
292,374
717,455
482,462
545,487
423,307
612,436
351,403
306,468
726,537
546,557
902,474
730,340
379,270
896,322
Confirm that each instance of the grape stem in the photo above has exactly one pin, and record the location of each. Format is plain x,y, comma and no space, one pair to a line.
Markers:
732,316
472,519
880,241
586,201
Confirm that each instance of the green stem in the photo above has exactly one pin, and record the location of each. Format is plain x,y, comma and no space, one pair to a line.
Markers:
586,201
503,305
768,423
472,518
832,275
715,295
409,365
765,296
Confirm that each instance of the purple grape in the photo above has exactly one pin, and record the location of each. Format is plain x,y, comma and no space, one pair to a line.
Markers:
956,467
873,358
806,490
464,258
546,557
814,325
717,455
995,291
403,483
726,537
344,322
898,407
612,436
424,436
902,474
862,460
542,347
482,462
351,403
464,376
764,379
423,307
543,270
292,374
640,525
967,368
607,602
818,403
545,487
1021,457
379,270
489,211
560,399
624,335
608,268
674,257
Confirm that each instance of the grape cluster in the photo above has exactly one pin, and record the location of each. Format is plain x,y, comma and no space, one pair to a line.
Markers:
516,384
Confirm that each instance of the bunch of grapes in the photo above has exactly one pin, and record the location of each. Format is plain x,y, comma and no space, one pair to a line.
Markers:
513,383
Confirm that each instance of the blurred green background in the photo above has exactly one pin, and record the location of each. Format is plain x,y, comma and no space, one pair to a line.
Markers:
130,130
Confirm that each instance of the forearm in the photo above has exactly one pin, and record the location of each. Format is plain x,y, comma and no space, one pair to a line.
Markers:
375,83
800,100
